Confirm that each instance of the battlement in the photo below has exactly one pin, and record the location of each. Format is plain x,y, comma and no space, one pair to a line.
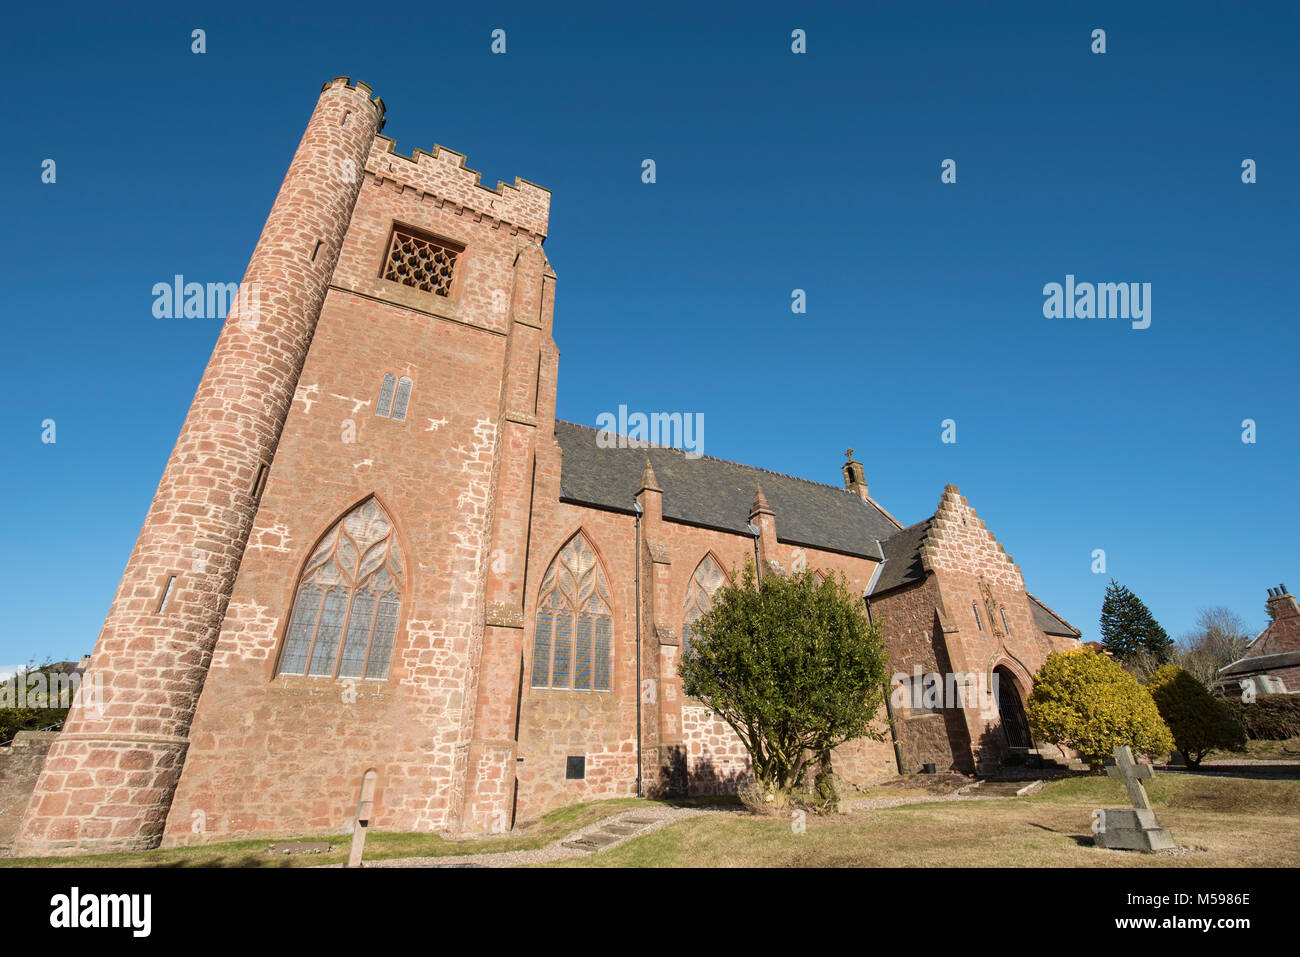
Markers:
443,177
345,83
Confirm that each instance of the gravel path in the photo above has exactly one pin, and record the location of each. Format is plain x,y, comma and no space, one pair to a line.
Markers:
556,851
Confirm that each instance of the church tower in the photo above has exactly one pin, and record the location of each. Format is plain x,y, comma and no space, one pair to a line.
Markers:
109,778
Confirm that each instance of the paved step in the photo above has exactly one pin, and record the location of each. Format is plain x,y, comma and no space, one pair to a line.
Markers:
613,832
622,830
993,788
581,844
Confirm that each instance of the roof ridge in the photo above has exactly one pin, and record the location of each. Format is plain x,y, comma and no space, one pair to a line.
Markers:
743,465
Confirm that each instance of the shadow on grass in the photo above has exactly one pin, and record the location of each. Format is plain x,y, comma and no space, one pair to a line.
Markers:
1254,772
1083,840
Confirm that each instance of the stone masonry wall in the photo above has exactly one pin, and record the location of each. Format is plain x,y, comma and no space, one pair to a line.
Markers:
111,775
20,765
282,754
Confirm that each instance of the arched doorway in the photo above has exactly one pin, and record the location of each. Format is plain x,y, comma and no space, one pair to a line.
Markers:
1011,709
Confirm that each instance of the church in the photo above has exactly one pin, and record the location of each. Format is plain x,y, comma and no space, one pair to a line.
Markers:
374,548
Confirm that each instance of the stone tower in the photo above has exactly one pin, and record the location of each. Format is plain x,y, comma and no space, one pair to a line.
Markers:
109,779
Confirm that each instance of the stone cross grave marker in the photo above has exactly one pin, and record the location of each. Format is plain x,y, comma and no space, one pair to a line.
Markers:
1135,828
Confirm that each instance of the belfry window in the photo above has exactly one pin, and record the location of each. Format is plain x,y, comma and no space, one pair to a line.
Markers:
421,262
385,404
348,602
394,397
708,578
573,639
402,398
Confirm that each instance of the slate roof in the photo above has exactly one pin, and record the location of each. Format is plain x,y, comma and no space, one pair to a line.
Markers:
902,558
1244,666
1049,621
715,493
903,567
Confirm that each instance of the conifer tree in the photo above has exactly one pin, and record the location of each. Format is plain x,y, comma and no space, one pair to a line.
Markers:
1128,628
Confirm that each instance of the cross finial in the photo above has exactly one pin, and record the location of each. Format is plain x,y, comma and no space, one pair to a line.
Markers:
849,454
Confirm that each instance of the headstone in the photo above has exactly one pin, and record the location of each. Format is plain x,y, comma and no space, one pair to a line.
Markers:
365,809
1135,828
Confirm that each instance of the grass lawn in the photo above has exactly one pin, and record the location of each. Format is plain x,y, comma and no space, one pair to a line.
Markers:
1236,822
1288,750
379,845
1232,822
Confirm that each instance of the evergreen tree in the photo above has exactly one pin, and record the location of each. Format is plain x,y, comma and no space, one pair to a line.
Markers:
1128,628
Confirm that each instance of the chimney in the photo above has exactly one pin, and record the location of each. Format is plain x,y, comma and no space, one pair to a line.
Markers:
855,478
1282,603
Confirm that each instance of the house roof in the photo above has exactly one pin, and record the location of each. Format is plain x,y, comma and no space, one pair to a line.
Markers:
715,493
1259,663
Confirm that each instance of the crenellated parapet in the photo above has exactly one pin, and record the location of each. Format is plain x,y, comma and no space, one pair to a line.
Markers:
442,177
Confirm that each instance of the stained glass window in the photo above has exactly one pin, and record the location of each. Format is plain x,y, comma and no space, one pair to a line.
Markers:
708,578
573,634
386,395
349,600
402,398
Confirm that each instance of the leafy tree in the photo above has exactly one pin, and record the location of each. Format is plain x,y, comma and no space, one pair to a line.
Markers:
1199,721
794,668
1128,627
31,692
1087,701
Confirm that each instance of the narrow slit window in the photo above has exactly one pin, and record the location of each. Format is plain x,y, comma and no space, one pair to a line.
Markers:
316,252
385,404
346,116
978,622
1005,626
260,482
403,398
166,594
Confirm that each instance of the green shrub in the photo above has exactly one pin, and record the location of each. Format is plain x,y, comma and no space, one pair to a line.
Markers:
793,666
1199,722
1087,701
1270,717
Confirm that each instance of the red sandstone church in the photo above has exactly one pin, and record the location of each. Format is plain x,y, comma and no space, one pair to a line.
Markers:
374,547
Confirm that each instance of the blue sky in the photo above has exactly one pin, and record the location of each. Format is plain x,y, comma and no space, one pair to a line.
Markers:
775,171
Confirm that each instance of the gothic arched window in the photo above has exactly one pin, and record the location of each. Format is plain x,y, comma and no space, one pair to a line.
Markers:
402,398
708,578
573,640
385,394
348,601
